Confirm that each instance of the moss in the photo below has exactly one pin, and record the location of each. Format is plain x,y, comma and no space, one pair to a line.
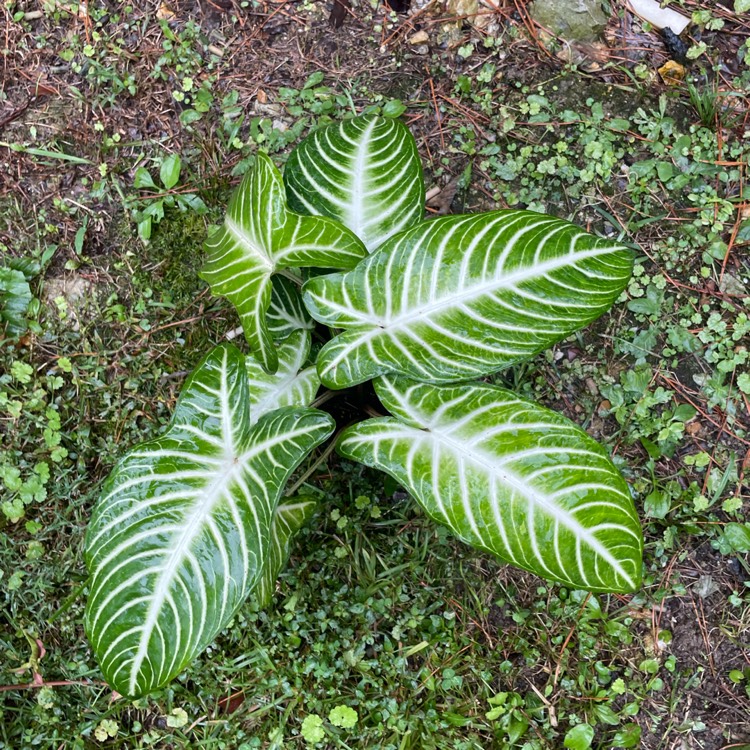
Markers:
175,255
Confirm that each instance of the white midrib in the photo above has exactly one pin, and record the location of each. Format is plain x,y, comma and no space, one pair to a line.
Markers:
176,556
356,214
241,237
488,464
410,315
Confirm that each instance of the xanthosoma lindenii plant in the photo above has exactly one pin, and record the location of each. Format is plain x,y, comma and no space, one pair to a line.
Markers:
192,522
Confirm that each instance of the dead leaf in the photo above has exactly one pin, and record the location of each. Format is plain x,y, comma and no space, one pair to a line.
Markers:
672,73
230,703
693,428
42,89
339,12
441,200
165,13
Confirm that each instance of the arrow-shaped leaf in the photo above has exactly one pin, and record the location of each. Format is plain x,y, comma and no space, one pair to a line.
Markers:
287,312
184,527
261,236
463,296
288,520
365,172
290,385
507,476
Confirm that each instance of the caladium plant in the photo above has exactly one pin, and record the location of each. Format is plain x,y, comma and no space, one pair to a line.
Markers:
192,522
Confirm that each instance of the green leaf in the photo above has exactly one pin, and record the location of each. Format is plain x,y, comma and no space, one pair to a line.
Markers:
15,298
507,476
628,736
665,170
312,729
177,718
579,737
155,209
289,518
192,202
741,6
394,108
80,237
143,179
183,529
343,716
517,727
260,236
290,385
169,173
29,267
46,153
738,536
286,313
314,79
657,504
463,296
144,229
365,172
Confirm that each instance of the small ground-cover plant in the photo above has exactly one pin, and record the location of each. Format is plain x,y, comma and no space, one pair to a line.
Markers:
149,210
191,523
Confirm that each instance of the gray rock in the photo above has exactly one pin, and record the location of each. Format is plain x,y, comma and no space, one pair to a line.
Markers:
573,20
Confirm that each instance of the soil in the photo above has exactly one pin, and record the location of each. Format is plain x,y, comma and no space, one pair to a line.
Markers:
708,643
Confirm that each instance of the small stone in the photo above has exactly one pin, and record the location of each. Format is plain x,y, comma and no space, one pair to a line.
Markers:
573,20
486,19
421,37
705,586
660,18
269,109
730,284
451,34
69,295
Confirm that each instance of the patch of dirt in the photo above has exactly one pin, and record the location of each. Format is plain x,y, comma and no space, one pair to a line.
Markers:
69,294
708,642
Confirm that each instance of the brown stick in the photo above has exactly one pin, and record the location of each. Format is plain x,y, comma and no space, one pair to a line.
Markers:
52,683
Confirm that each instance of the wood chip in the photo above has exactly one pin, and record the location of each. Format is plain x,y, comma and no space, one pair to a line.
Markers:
421,37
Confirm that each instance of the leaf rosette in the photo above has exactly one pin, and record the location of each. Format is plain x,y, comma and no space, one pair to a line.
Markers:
187,524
